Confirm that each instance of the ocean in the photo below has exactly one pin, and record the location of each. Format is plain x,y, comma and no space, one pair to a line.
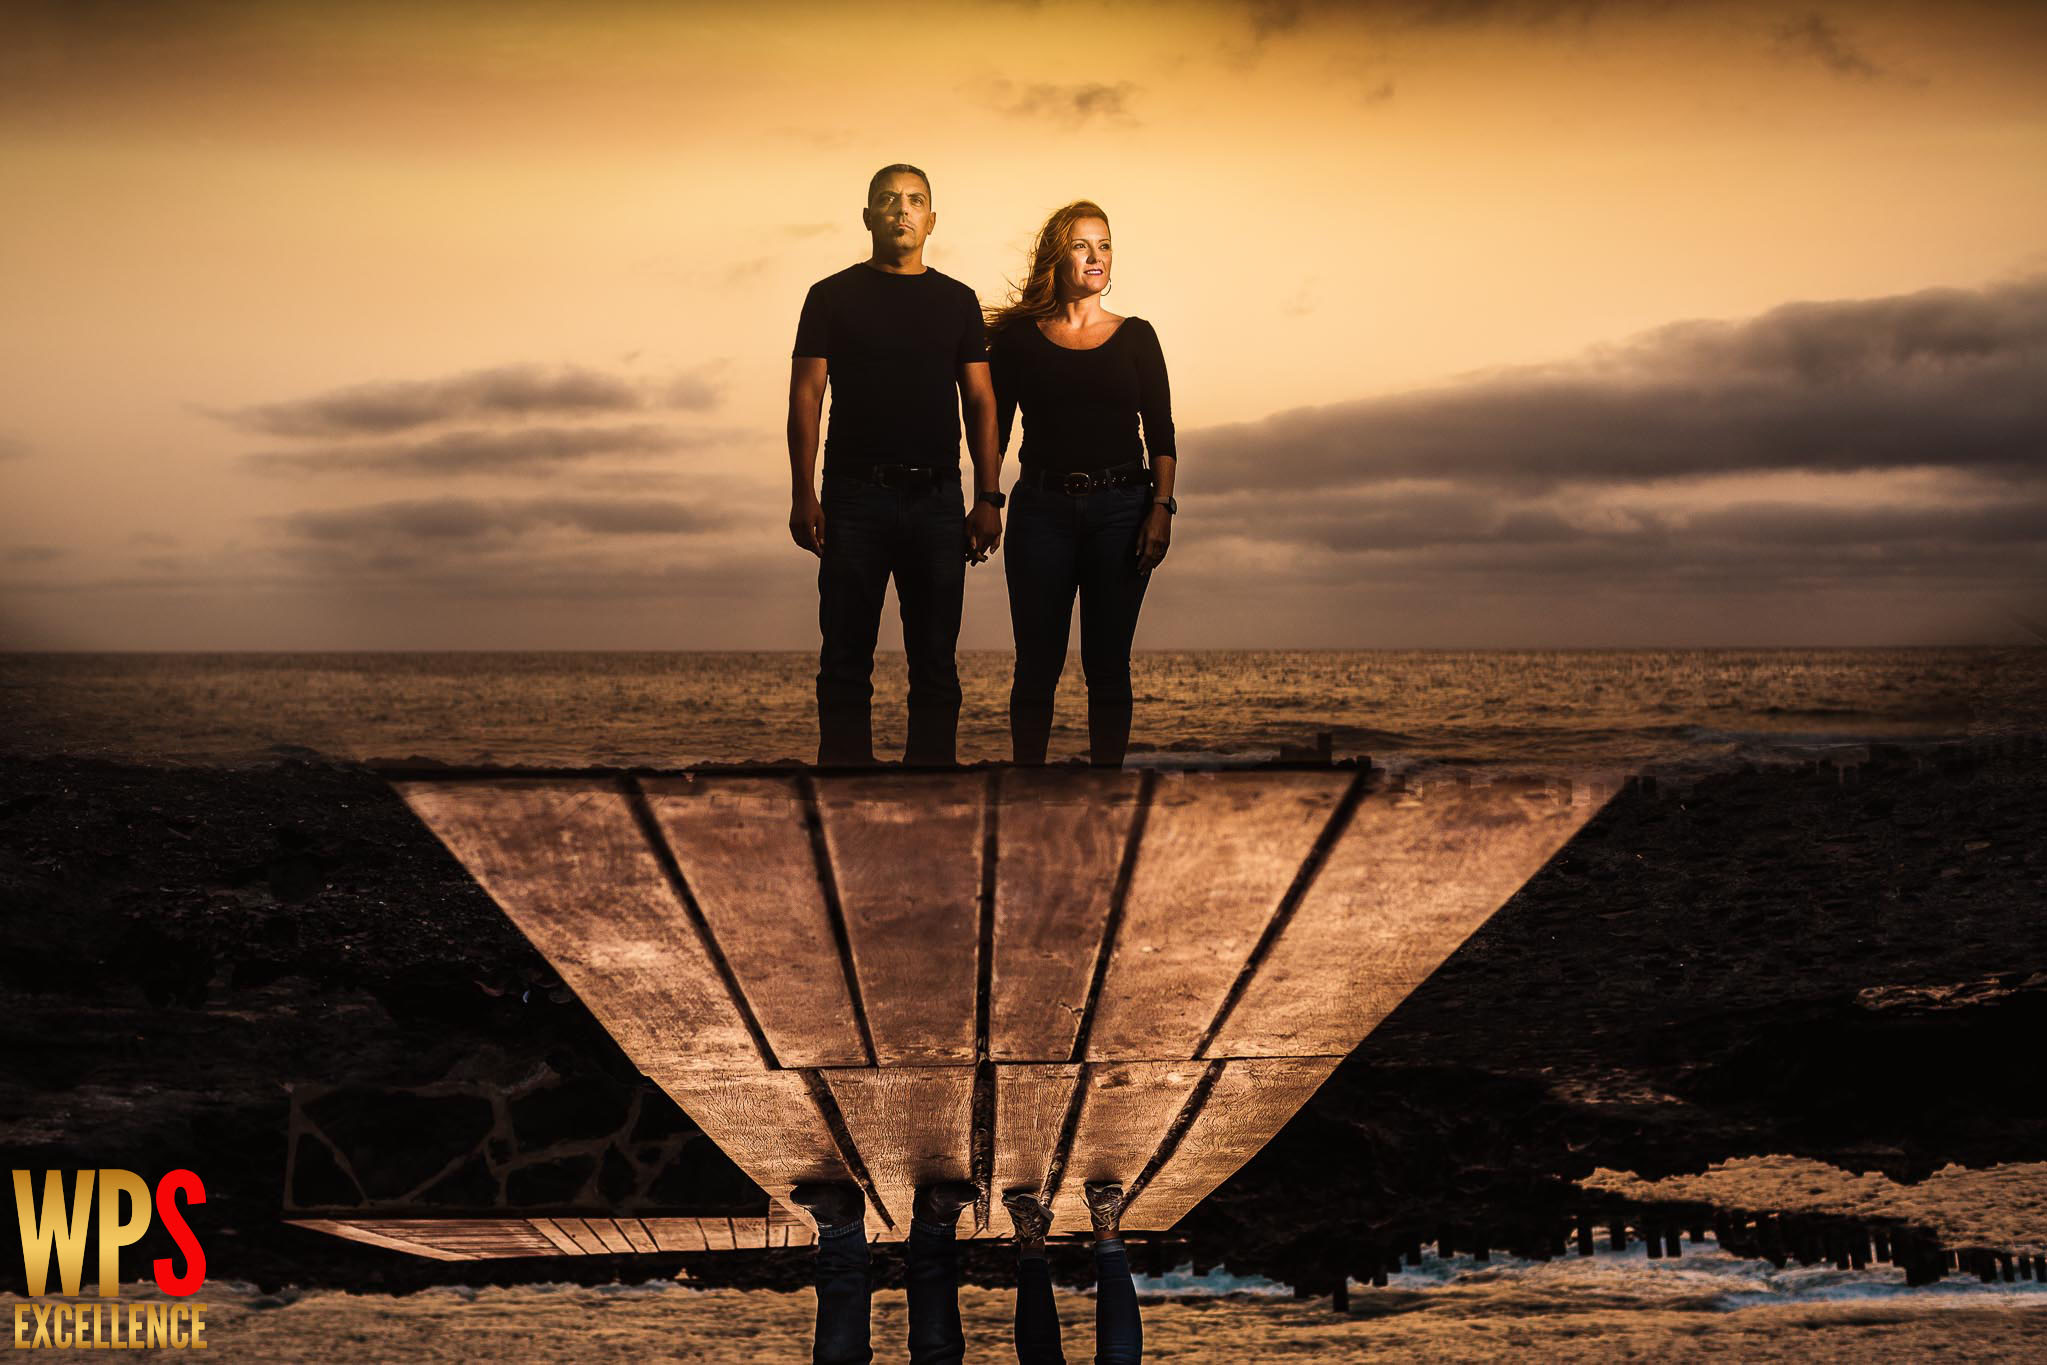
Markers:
1669,711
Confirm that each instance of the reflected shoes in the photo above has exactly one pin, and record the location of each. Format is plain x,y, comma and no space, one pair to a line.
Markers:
1104,1206
1029,1219
832,1204
939,1205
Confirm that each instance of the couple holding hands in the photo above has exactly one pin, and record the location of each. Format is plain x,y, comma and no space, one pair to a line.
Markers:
907,351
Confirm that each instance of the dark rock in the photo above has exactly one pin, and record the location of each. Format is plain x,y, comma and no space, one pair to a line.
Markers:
579,1107
317,1179
471,1185
547,1184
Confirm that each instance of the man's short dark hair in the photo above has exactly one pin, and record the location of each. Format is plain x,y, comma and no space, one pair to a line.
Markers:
902,167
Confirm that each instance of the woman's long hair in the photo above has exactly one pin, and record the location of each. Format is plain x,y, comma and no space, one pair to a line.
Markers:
1038,296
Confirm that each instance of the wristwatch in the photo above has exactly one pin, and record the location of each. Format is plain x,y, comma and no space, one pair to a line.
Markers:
1172,507
993,496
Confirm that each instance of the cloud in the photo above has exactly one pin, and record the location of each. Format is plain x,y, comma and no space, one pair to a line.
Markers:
473,520
31,554
528,451
1840,466
504,392
1813,35
13,448
1044,99
1945,377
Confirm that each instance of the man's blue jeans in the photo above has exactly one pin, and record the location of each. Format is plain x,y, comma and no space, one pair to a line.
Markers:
1119,1333
918,536
932,1277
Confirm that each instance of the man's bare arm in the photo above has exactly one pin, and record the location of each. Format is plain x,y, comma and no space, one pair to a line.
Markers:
806,405
977,407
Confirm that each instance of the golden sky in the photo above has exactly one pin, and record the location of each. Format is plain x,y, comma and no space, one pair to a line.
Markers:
1516,324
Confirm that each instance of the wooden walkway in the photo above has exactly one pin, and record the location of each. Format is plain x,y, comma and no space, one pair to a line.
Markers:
483,1239
1017,977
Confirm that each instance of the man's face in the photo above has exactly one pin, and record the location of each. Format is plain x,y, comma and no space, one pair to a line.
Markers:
899,215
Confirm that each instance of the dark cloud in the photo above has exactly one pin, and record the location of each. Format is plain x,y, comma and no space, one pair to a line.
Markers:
31,554
507,391
1675,476
1478,525
473,520
1044,99
13,448
527,451
1945,377
1816,37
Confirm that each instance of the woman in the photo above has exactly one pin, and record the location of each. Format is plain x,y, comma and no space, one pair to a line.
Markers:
1088,516
1119,1332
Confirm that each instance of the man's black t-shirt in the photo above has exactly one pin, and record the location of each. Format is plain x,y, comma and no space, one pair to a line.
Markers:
892,345
1081,407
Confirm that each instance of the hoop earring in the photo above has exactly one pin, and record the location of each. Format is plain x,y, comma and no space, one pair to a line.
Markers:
1107,288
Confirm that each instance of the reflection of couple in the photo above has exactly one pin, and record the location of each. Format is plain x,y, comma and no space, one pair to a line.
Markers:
906,350
931,1276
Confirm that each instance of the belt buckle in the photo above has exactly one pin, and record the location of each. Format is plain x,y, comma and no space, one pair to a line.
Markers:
1075,484
885,475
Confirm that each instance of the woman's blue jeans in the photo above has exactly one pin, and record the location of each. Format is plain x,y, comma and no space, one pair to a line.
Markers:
1058,545
1119,1333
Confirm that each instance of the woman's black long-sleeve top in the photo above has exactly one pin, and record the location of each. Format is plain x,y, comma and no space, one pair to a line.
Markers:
1081,408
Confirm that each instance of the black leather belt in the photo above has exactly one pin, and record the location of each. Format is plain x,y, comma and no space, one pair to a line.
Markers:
897,475
1082,482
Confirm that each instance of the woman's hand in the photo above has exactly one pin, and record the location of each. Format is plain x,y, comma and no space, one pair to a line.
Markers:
1153,540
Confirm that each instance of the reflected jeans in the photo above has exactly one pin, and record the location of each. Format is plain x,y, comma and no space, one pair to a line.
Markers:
1119,1333
1059,545
932,1277
917,535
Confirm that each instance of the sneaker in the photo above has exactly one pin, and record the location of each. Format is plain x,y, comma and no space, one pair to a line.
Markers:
832,1204
1029,1219
940,1204
1104,1205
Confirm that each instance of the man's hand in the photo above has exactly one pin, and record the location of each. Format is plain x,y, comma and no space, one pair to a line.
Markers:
806,524
984,531
1154,539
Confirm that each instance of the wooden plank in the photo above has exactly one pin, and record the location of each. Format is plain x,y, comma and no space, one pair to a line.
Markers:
1412,877
744,848
909,1125
552,1231
787,1227
718,1234
1219,852
749,1232
612,1235
1250,1102
675,1234
906,855
766,1122
583,1235
1061,841
565,859
337,1227
637,1234
1127,1108
1030,1105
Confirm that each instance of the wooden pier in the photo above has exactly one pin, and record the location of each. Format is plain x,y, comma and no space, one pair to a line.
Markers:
1016,977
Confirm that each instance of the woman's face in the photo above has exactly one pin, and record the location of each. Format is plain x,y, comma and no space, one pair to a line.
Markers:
1084,269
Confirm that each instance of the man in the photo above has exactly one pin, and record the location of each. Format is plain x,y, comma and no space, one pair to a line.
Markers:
931,1274
902,348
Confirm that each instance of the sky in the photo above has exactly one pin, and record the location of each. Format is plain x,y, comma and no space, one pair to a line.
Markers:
1490,323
